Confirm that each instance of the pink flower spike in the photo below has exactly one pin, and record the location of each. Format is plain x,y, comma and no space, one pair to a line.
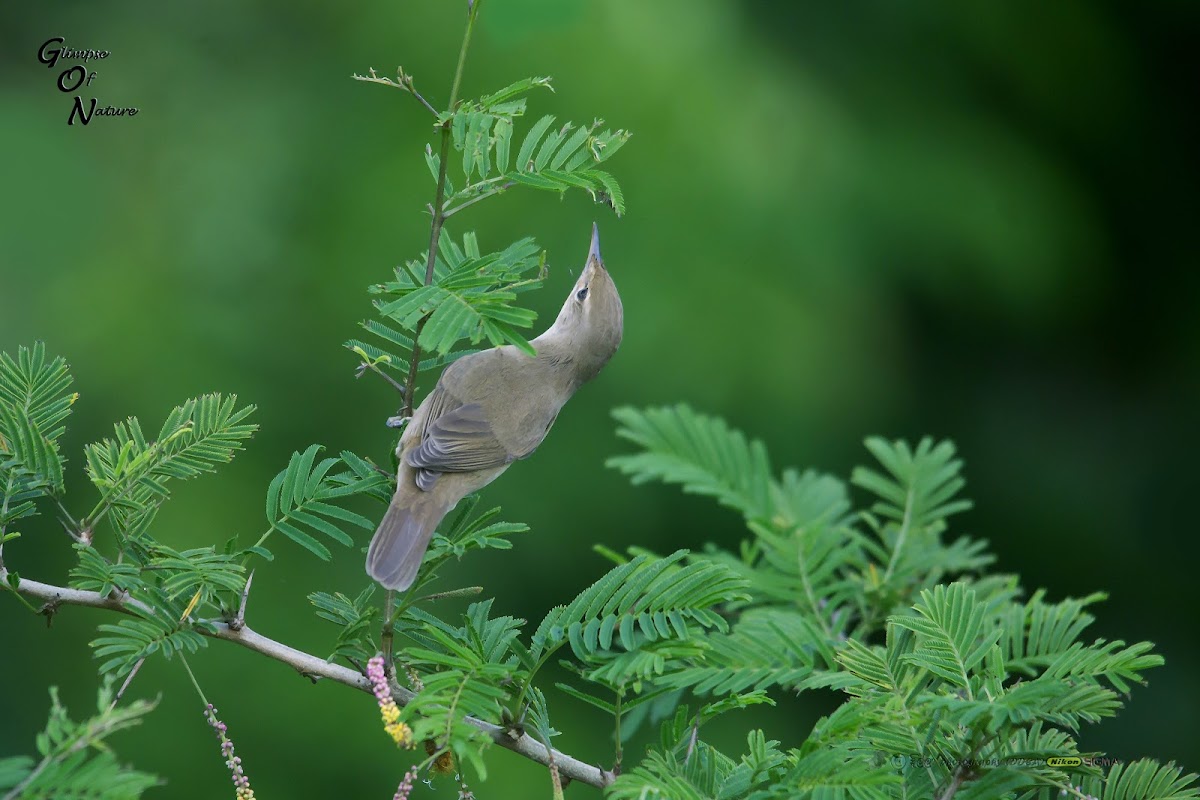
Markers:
388,710
406,786
241,783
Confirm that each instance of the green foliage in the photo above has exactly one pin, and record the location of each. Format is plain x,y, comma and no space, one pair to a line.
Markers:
34,404
155,630
554,160
973,691
302,495
700,453
684,767
132,473
95,573
464,672
76,761
354,617
916,496
1145,778
548,158
768,647
471,297
639,602
200,572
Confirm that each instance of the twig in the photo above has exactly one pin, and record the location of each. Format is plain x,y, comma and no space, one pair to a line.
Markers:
397,385
435,230
313,667
450,212
965,769
404,81
239,621
125,685
956,781
439,214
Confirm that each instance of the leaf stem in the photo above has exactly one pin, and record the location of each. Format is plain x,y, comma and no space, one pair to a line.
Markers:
902,536
404,82
195,682
21,597
450,212
529,679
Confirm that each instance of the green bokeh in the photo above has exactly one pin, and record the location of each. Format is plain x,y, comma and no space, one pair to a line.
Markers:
969,221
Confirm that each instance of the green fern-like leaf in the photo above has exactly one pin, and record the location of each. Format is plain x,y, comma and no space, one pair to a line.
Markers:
198,573
685,766
93,572
766,648
34,405
132,472
953,639
656,778
838,772
701,453
548,158
643,600
1146,779
302,497
464,671
355,617
918,490
921,485
76,759
13,770
473,533
154,630
471,298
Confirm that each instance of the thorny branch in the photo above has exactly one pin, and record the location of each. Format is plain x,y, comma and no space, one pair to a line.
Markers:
316,668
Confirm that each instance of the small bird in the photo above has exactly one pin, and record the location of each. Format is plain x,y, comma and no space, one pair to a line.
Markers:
488,410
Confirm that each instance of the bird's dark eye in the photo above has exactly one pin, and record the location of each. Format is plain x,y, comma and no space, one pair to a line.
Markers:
582,293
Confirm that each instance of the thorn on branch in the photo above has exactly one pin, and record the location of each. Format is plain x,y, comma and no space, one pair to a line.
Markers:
239,621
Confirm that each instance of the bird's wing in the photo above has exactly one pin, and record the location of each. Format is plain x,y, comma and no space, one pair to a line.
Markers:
458,439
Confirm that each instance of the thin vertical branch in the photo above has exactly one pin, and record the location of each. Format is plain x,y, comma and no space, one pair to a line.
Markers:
439,216
389,630
617,733
435,230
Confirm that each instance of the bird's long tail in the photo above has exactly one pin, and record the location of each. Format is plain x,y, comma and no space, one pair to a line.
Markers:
399,544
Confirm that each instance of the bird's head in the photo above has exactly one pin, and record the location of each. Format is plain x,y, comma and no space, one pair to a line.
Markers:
590,324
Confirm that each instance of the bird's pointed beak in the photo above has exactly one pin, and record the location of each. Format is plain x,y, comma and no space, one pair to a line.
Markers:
594,250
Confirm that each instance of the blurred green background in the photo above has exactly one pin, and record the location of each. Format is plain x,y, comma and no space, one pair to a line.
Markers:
969,220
